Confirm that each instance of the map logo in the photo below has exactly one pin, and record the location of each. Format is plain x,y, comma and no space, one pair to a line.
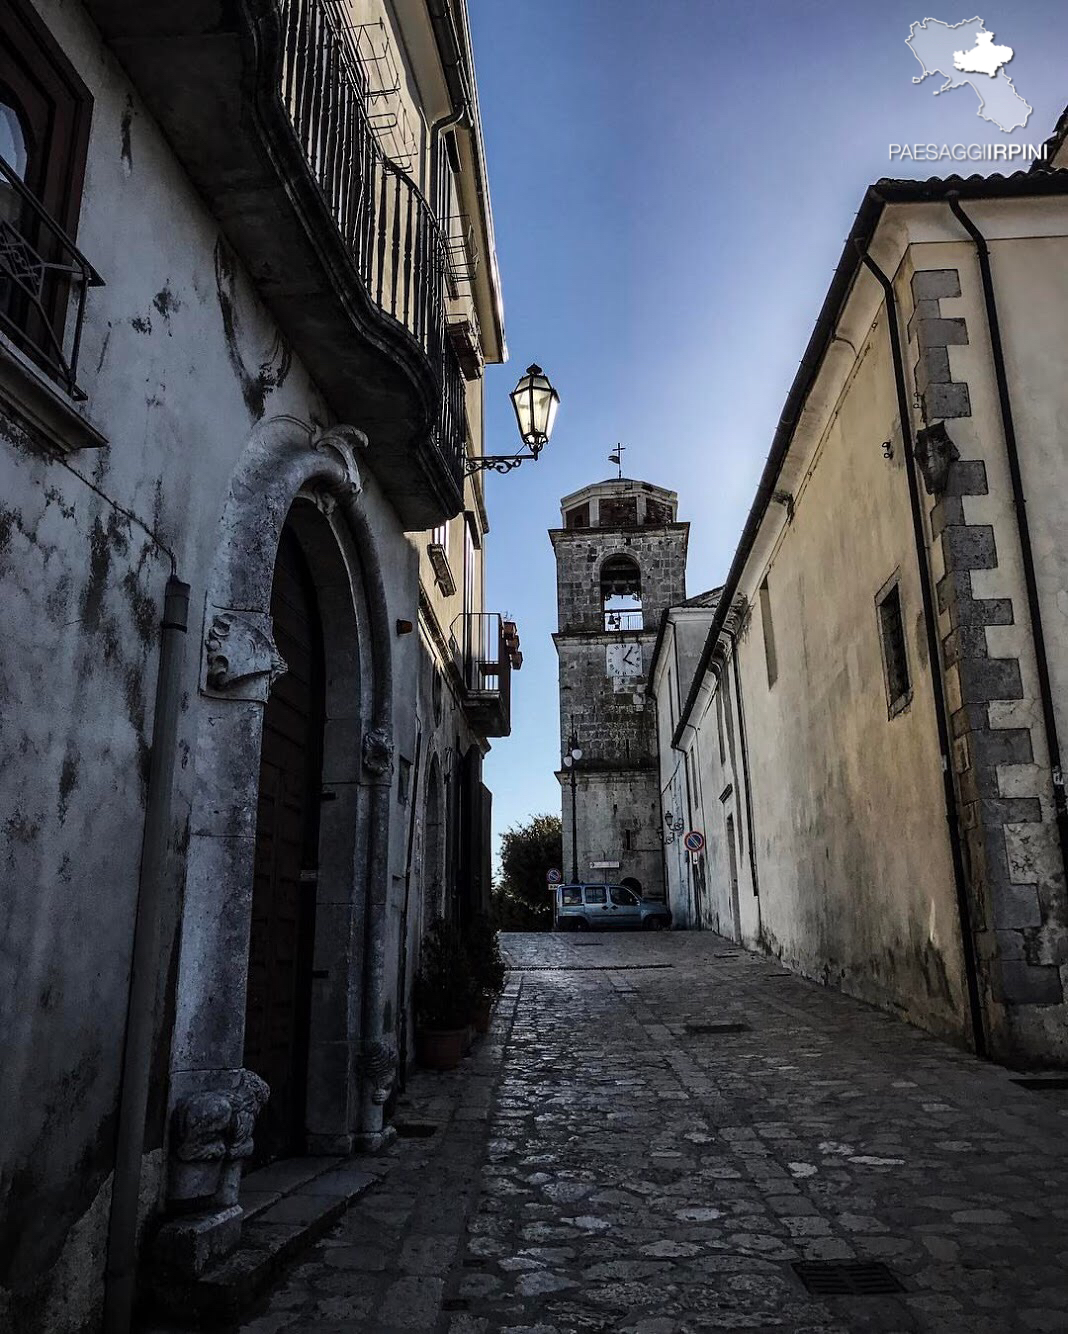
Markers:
965,53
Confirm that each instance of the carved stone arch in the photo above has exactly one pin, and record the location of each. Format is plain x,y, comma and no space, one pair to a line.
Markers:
290,471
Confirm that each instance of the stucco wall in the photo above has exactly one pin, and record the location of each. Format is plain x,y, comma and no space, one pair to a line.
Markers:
180,362
856,883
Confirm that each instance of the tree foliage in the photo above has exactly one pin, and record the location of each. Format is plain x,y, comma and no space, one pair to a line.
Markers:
528,851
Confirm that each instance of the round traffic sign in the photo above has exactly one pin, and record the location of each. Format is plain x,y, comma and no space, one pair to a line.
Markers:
554,876
694,841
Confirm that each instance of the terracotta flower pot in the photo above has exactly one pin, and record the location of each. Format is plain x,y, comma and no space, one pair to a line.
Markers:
440,1048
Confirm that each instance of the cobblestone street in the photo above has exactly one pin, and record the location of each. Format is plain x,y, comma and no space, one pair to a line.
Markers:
664,1129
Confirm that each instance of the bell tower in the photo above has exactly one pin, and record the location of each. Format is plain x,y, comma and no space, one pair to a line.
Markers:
620,563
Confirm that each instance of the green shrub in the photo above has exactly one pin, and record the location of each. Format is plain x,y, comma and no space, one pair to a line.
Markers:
445,989
484,951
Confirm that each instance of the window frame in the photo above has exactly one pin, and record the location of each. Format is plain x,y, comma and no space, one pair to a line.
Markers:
31,47
897,701
767,626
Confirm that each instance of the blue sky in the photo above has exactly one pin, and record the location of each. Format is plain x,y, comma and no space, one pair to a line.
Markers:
671,186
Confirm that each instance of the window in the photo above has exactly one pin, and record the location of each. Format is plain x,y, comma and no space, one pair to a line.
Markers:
769,634
628,840
618,512
621,897
579,517
719,724
658,512
895,656
621,594
44,133
571,896
596,895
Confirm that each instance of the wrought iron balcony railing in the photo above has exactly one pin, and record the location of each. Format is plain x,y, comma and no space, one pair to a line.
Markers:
41,272
486,651
387,225
624,620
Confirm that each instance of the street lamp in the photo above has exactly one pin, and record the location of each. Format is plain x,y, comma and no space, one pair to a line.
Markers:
573,754
535,402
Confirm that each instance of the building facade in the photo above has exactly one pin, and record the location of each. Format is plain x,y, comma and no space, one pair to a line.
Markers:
872,734
621,561
247,291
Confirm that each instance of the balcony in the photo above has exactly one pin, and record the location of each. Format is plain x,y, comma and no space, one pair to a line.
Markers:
266,105
486,652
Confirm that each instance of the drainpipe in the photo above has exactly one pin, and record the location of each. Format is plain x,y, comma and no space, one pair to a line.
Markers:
934,649
376,907
436,130
402,972
745,764
121,1273
1019,502
449,52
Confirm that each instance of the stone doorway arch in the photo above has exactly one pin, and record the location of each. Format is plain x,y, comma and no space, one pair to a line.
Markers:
289,476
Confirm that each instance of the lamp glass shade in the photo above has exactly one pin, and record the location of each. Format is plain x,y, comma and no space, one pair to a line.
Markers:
535,402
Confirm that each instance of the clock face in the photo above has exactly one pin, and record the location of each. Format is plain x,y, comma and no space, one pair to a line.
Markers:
623,660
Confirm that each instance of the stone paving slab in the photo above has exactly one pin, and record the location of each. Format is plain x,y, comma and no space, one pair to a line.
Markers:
600,1165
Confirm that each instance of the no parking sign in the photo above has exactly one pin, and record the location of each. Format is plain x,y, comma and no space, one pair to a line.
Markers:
694,841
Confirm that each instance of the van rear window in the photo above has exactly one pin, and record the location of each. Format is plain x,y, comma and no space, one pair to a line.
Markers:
571,896
595,894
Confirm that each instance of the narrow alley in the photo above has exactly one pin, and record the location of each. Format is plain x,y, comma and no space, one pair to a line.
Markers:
661,1132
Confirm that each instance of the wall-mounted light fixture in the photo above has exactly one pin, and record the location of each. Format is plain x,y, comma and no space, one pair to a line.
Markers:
535,402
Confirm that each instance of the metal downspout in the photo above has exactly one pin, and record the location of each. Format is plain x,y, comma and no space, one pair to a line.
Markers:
1019,501
745,767
121,1273
934,650
372,1035
402,972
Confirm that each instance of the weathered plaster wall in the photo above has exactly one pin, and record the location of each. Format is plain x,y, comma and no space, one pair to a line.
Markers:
686,874
856,883
180,362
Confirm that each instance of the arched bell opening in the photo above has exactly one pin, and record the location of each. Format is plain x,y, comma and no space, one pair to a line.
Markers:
621,594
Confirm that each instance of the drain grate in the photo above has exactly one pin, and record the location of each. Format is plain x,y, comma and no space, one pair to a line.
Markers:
719,1026
846,1278
587,967
415,1129
1040,1083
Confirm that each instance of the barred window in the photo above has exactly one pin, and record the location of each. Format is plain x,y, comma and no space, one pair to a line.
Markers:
895,655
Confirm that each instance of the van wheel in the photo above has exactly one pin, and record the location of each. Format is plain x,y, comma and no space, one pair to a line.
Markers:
654,924
581,924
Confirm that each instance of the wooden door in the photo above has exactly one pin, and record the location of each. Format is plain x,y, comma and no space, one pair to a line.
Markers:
287,833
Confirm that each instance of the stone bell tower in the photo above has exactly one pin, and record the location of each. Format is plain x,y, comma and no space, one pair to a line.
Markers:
620,563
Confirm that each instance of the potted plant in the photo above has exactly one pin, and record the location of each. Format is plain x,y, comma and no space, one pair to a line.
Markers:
487,969
444,994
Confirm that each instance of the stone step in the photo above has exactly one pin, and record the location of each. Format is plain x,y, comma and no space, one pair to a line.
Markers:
286,1207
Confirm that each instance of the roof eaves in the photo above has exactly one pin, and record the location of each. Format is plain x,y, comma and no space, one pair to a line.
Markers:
888,190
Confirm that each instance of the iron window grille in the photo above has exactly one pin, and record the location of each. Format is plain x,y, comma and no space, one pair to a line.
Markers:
41,271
